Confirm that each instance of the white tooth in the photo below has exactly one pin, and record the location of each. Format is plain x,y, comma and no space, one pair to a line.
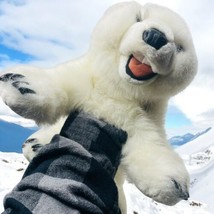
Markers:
145,61
139,57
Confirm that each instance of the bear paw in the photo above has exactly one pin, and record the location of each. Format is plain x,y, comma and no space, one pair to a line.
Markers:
158,172
166,188
18,94
30,148
27,95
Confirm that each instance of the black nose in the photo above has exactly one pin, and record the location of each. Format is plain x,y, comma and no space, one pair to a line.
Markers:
155,38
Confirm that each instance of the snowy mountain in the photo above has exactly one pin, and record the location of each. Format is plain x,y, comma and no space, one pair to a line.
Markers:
181,140
198,156
12,136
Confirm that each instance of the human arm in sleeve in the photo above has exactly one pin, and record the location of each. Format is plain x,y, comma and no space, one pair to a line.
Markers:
74,173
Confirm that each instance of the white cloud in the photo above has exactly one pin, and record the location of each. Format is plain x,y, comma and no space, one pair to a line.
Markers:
196,102
5,110
50,30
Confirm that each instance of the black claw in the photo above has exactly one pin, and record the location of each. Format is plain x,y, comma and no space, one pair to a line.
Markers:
6,77
26,91
17,76
10,76
30,140
177,185
16,84
36,147
22,90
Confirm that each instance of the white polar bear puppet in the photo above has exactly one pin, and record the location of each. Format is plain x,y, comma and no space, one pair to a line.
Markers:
138,58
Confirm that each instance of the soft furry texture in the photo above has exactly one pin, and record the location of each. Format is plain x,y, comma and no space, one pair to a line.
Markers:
99,83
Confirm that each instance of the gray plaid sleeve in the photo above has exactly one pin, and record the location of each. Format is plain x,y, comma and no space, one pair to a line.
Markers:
72,174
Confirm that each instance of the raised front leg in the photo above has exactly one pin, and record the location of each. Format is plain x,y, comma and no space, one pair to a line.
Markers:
33,93
153,166
40,138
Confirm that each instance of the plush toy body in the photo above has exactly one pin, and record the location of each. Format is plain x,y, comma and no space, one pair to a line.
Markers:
139,57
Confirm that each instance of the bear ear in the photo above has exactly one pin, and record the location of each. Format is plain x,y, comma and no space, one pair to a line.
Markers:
118,18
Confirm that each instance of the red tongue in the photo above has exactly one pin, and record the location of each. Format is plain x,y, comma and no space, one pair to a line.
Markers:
139,69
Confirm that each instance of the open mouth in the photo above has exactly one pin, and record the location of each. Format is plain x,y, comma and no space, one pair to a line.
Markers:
138,70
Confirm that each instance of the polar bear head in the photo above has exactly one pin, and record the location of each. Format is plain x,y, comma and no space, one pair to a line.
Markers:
147,50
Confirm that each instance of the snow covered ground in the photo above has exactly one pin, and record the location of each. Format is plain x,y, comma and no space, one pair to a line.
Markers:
140,204
12,166
198,156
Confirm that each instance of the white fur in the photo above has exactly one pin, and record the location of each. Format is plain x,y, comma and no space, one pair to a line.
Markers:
97,83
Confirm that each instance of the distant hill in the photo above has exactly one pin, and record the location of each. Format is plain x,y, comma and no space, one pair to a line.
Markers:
12,136
177,141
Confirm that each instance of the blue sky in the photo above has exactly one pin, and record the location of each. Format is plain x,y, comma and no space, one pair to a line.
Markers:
14,55
29,35
176,120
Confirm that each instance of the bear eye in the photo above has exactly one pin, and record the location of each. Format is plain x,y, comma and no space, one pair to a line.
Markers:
179,48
